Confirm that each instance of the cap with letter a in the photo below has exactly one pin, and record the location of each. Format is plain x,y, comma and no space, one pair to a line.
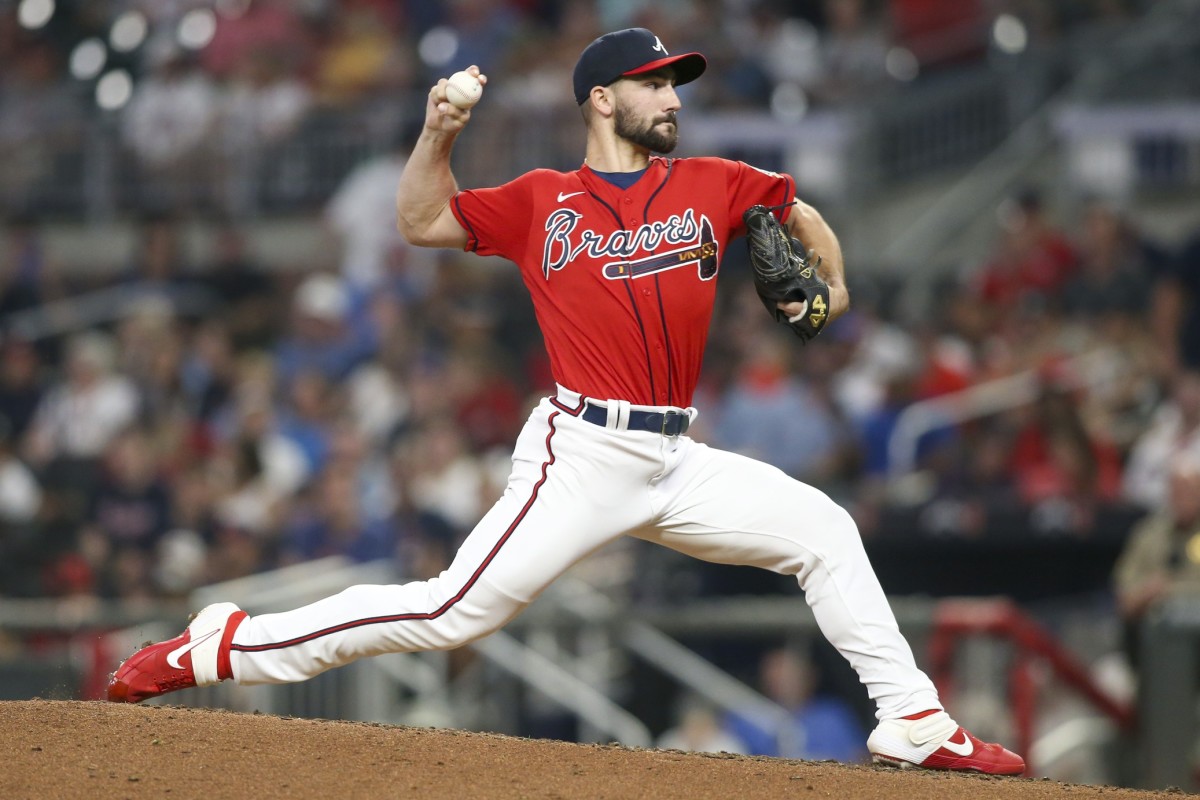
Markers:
632,51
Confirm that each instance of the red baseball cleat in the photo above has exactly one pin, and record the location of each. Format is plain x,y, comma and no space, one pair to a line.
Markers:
932,740
197,657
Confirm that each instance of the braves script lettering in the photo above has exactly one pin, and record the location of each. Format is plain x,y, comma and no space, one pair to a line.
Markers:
564,245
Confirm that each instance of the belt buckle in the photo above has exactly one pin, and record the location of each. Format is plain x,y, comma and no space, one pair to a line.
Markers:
667,416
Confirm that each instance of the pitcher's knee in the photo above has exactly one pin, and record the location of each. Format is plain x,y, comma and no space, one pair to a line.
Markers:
838,531
825,533
462,625
424,615
463,619
842,523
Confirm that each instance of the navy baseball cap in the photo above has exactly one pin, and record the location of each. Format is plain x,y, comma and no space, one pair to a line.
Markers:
629,52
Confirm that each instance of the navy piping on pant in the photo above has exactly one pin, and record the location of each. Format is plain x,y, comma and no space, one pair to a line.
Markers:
428,615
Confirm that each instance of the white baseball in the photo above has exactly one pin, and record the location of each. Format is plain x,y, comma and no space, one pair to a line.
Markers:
463,89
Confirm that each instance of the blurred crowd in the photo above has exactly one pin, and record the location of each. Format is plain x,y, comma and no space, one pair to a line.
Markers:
184,421
210,104
219,419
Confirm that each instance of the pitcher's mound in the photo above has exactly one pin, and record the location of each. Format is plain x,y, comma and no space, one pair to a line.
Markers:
70,750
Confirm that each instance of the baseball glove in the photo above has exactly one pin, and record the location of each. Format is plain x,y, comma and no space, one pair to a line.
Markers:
785,272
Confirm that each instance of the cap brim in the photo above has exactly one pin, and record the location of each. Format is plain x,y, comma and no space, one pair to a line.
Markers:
688,67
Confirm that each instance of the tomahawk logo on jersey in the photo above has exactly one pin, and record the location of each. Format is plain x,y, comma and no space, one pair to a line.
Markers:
603,265
704,253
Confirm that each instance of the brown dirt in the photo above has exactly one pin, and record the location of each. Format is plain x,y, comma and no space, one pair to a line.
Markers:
62,749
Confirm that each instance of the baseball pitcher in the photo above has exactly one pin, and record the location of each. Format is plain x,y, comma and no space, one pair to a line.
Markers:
621,258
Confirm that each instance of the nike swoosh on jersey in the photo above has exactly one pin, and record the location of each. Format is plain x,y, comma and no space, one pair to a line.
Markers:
963,748
179,652
562,196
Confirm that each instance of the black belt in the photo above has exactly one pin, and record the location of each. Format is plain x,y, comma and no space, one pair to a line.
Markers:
670,423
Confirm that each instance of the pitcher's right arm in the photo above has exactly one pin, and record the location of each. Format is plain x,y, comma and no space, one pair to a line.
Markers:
427,185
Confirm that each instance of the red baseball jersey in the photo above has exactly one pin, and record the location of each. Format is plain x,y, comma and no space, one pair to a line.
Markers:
623,281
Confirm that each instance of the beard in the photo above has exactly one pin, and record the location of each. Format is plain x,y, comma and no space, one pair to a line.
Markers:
629,128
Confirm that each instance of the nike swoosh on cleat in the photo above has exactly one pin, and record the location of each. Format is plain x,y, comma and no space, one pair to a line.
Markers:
563,196
178,653
963,748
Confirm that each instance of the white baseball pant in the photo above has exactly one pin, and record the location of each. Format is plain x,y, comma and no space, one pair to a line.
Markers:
576,486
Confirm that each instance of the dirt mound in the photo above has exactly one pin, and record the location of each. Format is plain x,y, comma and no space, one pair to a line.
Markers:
53,749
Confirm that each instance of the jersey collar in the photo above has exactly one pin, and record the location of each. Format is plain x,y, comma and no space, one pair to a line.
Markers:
652,176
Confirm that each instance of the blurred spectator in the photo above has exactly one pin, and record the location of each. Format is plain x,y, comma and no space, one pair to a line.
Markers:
1123,368
263,104
40,556
902,386
1062,470
306,417
1162,554
964,490
158,273
787,47
158,258
351,453
21,266
758,415
236,553
330,521
541,53
698,730
251,416
363,45
1033,260
735,64
853,57
130,506
86,408
277,25
962,344
249,500
246,293
362,214
1175,316
21,386
193,496
207,374
877,352
20,492
1174,431
377,397
168,127
980,478
437,474
41,117
939,34
1117,267
479,33
488,404
325,336
264,100
151,353
129,511
179,565
819,727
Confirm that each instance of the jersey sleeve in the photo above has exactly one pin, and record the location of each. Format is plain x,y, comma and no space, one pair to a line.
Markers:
496,220
750,186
